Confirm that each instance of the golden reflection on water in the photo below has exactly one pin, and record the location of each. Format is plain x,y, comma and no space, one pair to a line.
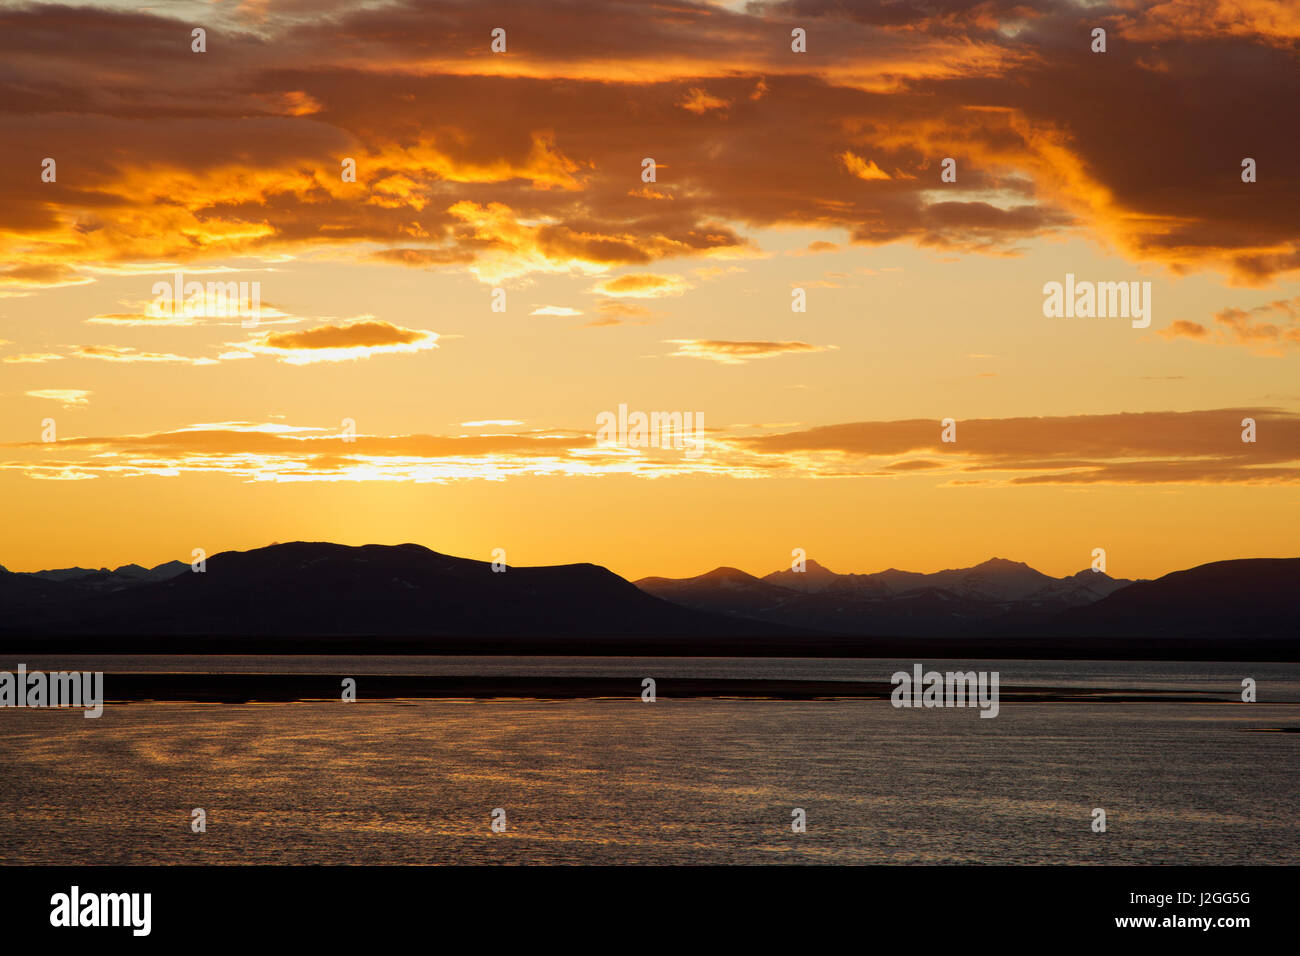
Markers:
673,782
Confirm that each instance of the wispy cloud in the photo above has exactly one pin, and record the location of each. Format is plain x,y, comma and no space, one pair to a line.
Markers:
738,353
127,354
1271,328
341,343
1144,448
31,358
68,397
642,285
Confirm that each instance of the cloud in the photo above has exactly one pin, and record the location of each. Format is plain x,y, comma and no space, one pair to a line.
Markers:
505,247
285,453
510,177
141,318
816,247
863,168
1140,448
555,310
31,358
339,343
1271,21
699,102
1270,328
122,353
1131,448
1183,329
217,310
642,285
738,353
620,312
24,280
425,257
67,396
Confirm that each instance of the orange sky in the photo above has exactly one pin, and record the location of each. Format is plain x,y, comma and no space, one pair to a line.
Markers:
380,397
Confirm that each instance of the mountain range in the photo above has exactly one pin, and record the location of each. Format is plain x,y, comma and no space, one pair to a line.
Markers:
322,590
992,596
332,590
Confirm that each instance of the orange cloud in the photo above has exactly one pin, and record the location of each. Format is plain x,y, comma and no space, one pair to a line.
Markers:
31,358
69,397
1202,447
1275,22
121,353
1134,448
1250,329
738,353
23,280
339,343
862,168
642,285
1181,328
618,312
699,102
509,177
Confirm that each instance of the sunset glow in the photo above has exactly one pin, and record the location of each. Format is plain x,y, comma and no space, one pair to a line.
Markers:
502,270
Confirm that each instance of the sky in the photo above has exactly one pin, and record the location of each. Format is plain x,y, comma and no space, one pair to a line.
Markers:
434,340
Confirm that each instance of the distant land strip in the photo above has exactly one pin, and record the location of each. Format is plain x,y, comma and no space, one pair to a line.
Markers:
240,688
1277,649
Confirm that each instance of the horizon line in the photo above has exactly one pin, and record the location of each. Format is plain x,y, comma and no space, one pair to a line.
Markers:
719,567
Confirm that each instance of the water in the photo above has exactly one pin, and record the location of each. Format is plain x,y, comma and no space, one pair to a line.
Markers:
688,781
1278,682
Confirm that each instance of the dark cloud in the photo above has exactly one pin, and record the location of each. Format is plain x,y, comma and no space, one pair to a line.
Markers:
167,154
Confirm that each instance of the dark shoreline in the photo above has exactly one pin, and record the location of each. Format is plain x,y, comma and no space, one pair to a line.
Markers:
241,688
1279,650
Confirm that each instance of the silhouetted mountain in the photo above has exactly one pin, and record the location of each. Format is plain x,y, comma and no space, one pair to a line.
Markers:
66,574
20,591
1085,587
890,603
1256,597
812,579
996,579
133,571
320,590
328,590
722,590
127,576
999,598
162,572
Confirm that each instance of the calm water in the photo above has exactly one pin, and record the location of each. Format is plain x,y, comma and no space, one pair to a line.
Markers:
1278,682
707,781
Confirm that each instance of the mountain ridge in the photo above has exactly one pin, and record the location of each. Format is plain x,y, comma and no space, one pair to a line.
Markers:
333,590
997,597
320,589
